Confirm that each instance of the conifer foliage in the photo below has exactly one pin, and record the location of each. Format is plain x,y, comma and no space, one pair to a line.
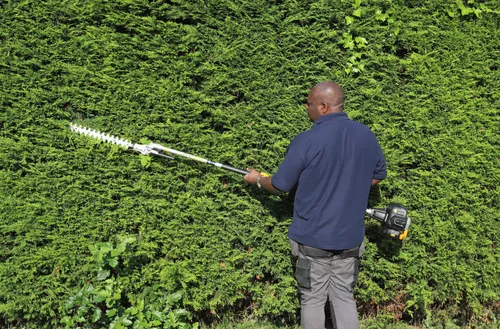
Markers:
227,80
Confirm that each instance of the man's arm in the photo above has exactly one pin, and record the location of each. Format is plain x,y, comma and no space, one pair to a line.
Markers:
376,181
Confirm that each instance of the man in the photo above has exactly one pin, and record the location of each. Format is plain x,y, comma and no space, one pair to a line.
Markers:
332,166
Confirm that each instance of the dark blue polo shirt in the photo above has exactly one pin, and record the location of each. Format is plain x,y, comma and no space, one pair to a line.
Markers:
332,165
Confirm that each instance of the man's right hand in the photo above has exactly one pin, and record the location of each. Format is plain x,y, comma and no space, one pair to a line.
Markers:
252,176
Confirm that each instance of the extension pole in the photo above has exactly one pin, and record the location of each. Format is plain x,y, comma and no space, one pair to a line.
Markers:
163,149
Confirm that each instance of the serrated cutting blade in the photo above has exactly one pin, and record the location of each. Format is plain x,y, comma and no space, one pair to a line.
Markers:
101,136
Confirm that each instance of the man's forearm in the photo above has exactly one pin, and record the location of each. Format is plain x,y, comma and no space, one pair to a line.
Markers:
266,183
376,181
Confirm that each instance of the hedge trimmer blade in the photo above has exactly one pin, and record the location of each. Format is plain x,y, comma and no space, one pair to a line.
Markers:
101,136
143,149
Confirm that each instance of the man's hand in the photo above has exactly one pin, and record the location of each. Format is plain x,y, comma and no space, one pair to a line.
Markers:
264,180
252,176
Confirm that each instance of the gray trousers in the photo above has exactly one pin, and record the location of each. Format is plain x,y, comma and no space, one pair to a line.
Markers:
327,277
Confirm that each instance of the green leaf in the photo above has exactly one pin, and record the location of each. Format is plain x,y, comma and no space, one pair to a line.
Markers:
113,262
111,313
484,8
103,294
145,160
97,314
105,247
79,319
175,297
349,44
93,249
68,321
181,312
172,318
361,40
466,11
132,310
102,275
380,16
140,304
126,321
128,239
158,315
358,12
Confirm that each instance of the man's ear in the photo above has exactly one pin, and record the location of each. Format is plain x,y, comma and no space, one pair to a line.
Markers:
324,108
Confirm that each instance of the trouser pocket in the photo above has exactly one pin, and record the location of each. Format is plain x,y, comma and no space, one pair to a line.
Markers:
357,263
303,272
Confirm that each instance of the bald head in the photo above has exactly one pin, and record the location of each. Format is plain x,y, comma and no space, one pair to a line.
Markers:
329,93
325,97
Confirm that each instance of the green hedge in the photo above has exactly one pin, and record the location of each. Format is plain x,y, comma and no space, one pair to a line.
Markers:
227,80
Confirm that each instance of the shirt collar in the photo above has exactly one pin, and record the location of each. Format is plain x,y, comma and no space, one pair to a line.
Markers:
331,117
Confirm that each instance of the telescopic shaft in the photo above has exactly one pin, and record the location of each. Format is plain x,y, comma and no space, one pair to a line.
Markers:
161,148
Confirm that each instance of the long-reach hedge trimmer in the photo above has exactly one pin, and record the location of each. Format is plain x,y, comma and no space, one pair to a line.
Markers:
149,149
394,218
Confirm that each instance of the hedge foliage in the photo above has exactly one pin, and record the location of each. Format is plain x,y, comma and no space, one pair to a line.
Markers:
226,80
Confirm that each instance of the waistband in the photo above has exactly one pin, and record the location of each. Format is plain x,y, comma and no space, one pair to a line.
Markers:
315,252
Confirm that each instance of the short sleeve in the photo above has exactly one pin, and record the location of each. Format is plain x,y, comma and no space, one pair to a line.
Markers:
289,170
381,167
